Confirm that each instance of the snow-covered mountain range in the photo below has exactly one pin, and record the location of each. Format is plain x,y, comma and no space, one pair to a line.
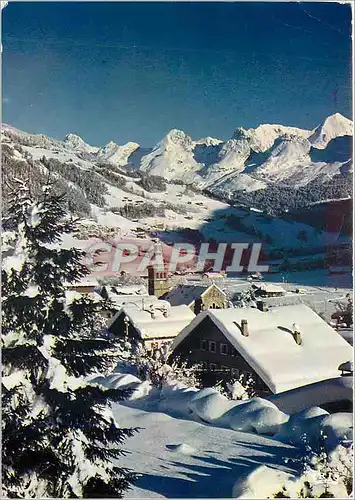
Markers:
250,160
254,157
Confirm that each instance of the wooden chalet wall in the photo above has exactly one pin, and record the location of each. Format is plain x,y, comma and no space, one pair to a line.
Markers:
196,348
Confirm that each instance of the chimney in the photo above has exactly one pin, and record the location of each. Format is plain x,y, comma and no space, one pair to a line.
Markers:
296,334
261,305
244,327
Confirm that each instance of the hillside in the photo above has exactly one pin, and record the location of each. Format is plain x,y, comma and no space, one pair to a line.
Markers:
118,194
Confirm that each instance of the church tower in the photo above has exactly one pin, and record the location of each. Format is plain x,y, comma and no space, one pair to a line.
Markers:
158,282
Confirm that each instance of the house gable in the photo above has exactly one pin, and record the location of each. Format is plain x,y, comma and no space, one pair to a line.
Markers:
214,298
197,297
207,345
286,355
119,329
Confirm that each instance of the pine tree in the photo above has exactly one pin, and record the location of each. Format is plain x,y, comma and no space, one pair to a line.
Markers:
59,435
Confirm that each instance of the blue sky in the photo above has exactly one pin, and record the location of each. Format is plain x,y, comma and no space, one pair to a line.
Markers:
133,71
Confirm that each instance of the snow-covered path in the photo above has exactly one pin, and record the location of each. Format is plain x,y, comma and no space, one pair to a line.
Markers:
206,466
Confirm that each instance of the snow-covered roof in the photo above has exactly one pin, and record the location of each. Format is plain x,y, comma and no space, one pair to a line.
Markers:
269,288
159,326
187,294
141,301
270,348
126,289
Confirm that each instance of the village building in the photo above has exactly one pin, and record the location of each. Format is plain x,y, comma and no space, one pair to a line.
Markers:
197,297
155,325
283,348
268,290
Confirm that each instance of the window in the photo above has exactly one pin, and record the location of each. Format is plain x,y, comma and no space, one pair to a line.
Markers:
204,345
233,352
212,346
224,349
204,365
212,366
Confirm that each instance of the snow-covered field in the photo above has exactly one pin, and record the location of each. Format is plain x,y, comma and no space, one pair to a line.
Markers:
186,459
197,444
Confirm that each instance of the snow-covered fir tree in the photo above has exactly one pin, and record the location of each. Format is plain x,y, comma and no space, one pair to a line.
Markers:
240,388
323,473
59,435
158,367
244,299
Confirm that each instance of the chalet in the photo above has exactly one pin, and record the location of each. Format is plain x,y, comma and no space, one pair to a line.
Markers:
270,346
155,324
268,290
197,297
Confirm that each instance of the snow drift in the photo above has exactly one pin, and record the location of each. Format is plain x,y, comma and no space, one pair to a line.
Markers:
256,415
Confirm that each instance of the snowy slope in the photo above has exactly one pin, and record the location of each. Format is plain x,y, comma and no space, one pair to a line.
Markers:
207,462
76,143
197,444
263,137
296,162
172,157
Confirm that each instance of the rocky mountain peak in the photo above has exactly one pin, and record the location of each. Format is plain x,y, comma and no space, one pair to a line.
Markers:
333,126
75,142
